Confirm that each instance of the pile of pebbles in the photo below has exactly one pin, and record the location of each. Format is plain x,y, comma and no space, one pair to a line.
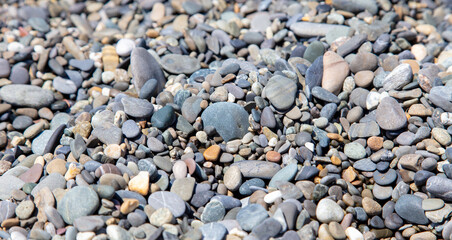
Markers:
197,119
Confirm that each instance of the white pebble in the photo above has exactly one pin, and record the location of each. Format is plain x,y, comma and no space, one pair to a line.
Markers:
272,142
231,98
310,146
106,92
446,118
354,234
108,77
372,100
85,235
38,49
201,136
271,197
15,47
124,47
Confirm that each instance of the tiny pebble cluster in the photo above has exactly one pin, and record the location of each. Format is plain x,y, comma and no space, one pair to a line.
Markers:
225,120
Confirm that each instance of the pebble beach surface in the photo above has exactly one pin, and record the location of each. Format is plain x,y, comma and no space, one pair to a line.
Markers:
199,119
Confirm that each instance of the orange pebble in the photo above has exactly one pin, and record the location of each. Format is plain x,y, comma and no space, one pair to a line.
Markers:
273,156
212,153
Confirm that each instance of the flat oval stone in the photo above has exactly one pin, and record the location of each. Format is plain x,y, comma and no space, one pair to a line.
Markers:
33,174
250,216
191,108
89,223
440,187
213,212
168,200
26,95
77,202
5,68
281,92
328,211
314,74
431,204
135,107
385,178
284,175
9,183
365,165
164,117
230,120
381,192
354,150
258,169
39,24
324,95
409,207
130,129
253,182
64,86
307,172
177,64
84,65
214,231
19,75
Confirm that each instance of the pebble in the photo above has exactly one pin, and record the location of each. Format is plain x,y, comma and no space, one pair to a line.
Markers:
214,231
251,216
177,64
225,120
328,211
172,201
390,115
79,201
259,169
354,150
409,207
161,216
335,70
26,96
398,78
124,47
138,108
163,118
229,120
233,178
145,67
5,68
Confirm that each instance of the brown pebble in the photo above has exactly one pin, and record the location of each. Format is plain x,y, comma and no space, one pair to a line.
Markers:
273,156
349,175
375,143
335,136
364,78
46,113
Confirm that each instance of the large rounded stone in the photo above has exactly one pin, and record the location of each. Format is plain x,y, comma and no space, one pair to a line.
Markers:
281,92
77,202
26,95
230,120
390,115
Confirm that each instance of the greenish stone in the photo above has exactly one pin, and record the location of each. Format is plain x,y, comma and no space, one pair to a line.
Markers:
314,50
164,117
28,187
354,150
104,191
284,175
